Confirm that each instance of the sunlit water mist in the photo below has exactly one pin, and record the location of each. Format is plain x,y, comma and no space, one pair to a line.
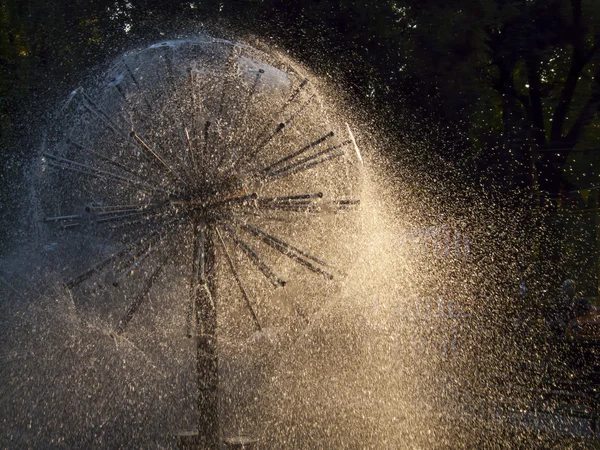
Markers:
357,375
376,357
342,363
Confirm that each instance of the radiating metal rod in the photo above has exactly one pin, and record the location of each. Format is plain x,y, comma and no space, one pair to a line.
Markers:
119,211
61,218
96,110
253,88
206,128
239,123
292,203
113,208
238,199
295,94
286,104
102,157
239,282
307,166
135,253
146,147
168,62
137,84
102,119
291,197
65,166
228,74
151,249
245,110
308,159
90,170
298,152
303,161
70,225
286,249
253,256
137,302
120,90
189,147
91,106
119,217
133,77
253,153
202,148
256,214
301,109
290,246
78,279
266,140
291,206
309,206
137,221
302,208
192,97
347,202
190,170
69,100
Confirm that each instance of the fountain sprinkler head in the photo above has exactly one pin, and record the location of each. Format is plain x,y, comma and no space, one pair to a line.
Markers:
197,151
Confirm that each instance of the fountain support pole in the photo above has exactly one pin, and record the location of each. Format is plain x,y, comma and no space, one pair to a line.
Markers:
207,369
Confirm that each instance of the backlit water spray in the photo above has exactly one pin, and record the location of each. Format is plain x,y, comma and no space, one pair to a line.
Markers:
220,254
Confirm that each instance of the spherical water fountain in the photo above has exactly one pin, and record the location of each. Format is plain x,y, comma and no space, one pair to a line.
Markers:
206,164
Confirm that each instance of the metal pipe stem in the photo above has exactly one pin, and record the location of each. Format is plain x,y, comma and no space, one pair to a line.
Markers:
308,159
239,283
90,170
291,197
156,156
298,152
286,249
307,166
137,302
253,256
61,218
207,368
151,249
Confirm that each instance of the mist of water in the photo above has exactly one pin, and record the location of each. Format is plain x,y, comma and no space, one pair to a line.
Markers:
381,356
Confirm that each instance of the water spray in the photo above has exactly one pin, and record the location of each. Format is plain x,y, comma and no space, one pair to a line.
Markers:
184,155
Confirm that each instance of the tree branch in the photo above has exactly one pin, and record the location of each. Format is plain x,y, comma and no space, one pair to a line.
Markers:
578,61
587,113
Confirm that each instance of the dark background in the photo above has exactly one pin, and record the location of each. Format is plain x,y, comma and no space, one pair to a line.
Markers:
507,93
